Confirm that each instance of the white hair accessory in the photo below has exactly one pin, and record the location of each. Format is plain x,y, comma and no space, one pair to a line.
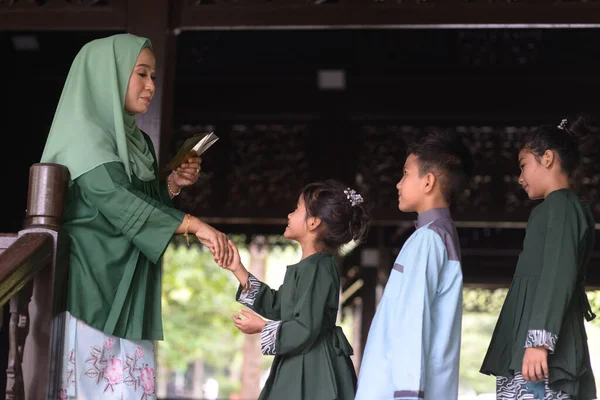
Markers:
562,124
354,197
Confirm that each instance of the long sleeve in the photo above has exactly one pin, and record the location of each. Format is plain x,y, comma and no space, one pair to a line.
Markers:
260,298
409,305
148,223
558,276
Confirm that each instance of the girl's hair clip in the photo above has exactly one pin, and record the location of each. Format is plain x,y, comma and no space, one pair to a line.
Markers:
563,124
354,197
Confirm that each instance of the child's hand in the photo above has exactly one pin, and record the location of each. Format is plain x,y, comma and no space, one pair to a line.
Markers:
251,323
233,262
535,364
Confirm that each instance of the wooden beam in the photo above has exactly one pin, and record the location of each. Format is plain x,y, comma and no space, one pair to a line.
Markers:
21,15
152,19
250,14
62,16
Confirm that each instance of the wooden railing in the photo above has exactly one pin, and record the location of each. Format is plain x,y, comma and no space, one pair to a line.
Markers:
33,276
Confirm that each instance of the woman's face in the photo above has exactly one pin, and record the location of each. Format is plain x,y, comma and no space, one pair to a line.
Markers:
141,83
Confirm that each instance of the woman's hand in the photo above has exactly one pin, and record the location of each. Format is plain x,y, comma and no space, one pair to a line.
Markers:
187,173
217,243
251,323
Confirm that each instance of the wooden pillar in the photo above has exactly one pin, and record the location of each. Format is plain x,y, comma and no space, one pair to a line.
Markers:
155,19
357,344
251,364
47,195
385,261
368,304
375,270
37,327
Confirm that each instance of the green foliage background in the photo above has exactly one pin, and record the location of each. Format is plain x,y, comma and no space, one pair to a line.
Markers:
198,302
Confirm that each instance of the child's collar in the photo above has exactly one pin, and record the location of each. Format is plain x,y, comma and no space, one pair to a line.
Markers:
431,215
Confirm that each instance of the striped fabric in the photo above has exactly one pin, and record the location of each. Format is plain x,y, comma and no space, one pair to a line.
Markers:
268,337
247,298
408,394
538,337
517,388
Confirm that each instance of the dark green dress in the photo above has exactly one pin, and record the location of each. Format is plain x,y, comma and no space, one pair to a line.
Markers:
546,303
312,354
118,230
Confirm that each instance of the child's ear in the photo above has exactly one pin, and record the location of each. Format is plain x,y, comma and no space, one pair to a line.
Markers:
313,223
429,182
548,158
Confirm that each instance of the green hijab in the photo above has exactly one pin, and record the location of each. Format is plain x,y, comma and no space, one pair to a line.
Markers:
91,126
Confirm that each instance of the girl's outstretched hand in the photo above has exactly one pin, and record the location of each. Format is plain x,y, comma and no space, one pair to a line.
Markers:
251,323
535,364
233,262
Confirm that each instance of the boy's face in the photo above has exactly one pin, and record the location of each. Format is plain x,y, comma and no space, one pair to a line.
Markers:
411,187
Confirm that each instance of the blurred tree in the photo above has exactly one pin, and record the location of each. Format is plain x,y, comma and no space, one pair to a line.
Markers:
198,302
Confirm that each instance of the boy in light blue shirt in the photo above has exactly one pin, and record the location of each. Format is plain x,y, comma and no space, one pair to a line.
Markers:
413,347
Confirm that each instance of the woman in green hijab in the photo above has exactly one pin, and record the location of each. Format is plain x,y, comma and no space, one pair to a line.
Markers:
119,217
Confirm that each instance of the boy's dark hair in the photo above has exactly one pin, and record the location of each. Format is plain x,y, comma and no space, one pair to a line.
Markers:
341,221
446,156
567,139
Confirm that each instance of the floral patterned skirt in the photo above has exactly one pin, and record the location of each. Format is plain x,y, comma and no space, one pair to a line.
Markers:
101,366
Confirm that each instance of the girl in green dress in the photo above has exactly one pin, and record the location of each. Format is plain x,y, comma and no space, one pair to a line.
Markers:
312,354
539,348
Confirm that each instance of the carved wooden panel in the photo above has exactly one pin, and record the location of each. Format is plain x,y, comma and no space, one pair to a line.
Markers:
494,192
257,169
380,163
489,85
254,170
384,151
273,159
500,47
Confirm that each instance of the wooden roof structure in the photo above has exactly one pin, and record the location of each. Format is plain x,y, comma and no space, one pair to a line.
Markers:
302,90
250,70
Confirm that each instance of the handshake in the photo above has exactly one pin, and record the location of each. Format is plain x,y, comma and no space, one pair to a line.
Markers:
225,253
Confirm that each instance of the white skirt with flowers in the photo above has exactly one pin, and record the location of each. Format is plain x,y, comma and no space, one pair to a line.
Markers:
101,366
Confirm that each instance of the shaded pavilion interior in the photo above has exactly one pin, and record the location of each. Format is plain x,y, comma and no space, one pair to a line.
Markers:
259,90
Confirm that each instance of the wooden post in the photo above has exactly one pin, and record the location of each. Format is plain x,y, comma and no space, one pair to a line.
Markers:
18,329
46,195
43,351
251,364
369,303
153,19
357,328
